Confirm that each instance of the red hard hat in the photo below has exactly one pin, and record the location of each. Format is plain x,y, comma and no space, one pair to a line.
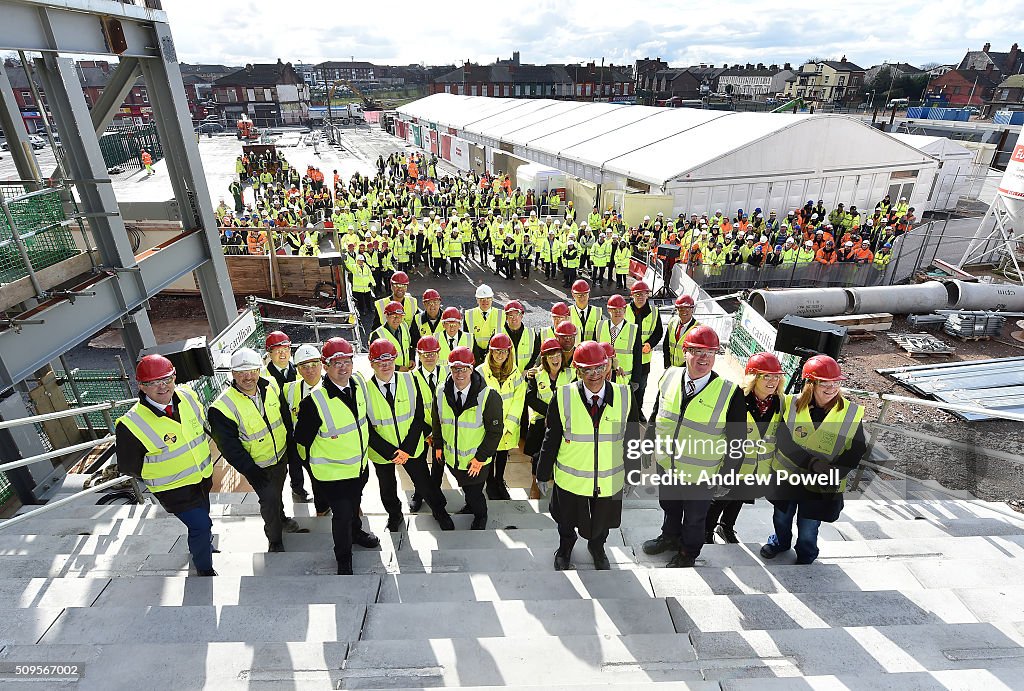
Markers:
278,338
550,345
152,368
639,287
559,309
451,314
394,308
702,337
400,277
609,349
383,349
514,305
336,347
590,354
431,294
461,356
684,301
763,363
581,286
500,342
615,301
566,328
428,344
822,368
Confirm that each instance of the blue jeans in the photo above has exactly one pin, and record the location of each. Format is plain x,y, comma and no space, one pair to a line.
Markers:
200,535
806,533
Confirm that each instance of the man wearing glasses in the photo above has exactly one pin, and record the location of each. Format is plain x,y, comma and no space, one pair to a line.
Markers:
163,441
699,429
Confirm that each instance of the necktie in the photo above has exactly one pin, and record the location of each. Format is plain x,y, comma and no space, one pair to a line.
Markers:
389,395
594,407
690,389
433,382
169,410
458,399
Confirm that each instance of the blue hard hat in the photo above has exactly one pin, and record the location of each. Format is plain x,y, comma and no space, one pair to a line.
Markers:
887,246
757,210
778,248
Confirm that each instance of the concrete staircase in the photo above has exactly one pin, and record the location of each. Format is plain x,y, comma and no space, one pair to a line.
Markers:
905,595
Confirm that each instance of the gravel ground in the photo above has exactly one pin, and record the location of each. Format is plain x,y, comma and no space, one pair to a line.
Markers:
954,468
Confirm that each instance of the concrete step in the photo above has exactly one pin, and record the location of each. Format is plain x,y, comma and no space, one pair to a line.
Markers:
13,545
536,538
515,585
50,592
502,560
239,590
904,681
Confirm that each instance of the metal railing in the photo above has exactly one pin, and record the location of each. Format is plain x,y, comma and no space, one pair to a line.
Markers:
791,275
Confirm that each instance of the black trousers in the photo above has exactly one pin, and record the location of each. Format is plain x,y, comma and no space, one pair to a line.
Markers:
419,473
436,473
645,375
344,497
620,280
598,274
473,489
567,538
456,265
724,511
684,520
271,502
524,266
497,477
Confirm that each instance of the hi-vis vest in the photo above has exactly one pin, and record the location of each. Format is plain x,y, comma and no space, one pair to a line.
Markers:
546,390
832,437
549,332
177,454
393,425
339,450
425,329
587,325
513,396
482,329
402,342
701,429
623,345
409,305
428,392
590,460
462,339
759,457
646,328
523,353
293,397
362,278
463,435
266,445
676,356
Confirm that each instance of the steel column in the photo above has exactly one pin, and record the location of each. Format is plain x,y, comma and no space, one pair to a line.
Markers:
14,127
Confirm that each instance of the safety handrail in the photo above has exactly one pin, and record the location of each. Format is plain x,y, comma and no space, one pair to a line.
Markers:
959,407
70,412
84,446
61,502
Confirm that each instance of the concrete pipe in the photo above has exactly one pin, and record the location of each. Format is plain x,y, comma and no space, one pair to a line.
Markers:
803,302
985,296
920,298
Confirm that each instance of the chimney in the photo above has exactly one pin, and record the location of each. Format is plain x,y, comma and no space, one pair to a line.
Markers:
787,66
1012,57
515,57
986,48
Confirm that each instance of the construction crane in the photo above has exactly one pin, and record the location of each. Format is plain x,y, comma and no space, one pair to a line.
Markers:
368,102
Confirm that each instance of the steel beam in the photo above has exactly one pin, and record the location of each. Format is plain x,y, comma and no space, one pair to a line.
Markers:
114,93
14,127
181,154
76,27
66,324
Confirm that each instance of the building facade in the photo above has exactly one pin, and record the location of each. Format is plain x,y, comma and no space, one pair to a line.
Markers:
269,94
826,82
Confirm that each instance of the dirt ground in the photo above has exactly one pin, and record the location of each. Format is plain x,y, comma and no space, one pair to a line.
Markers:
924,456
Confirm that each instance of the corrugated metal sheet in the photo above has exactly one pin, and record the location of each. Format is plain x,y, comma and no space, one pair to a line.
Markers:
997,384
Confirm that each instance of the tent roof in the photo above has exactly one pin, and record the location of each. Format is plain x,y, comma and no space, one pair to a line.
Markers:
935,146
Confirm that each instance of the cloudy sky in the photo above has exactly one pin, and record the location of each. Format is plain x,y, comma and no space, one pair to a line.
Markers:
403,32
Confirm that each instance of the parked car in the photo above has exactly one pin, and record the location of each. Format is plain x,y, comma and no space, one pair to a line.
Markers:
973,110
36,141
4,146
210,127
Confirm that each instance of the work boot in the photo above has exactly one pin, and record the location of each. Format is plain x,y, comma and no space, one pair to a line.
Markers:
682,561
709,537
395,522
465,510
415,504
660,544
727,533
300,496
445,521
275,547
562,561
601,562
479,523
770,551
365,539
290,526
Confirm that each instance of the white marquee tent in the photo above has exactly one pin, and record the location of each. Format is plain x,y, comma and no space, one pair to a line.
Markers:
703,159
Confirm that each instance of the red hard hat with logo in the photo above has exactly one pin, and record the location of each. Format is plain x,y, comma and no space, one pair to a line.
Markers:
383,349
335,348
822,368
550,345
428,344
701,337
277,338
639,287
400,277
581,286
559,309
515,306
684,301
763,363
394,308
153,368
566,328
431,294
590,354
451,314
616,301
500,342
461,356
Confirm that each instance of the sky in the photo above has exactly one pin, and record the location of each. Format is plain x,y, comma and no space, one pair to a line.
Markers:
401,32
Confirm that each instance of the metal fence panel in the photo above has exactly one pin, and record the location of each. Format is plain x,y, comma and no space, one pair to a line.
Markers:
123,146
40,222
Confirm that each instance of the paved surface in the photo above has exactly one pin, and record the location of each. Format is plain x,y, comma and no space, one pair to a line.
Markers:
905,595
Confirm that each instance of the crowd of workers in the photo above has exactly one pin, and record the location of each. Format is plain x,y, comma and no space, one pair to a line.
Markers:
406,217
453,392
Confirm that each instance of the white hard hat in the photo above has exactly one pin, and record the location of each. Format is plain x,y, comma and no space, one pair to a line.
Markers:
484,291
305,353
764,238
647,218
245,359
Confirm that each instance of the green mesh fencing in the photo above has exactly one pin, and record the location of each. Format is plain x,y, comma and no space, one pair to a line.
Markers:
39,221
96,386
6,491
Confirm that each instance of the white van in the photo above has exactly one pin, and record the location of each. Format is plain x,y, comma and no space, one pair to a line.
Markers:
899,104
